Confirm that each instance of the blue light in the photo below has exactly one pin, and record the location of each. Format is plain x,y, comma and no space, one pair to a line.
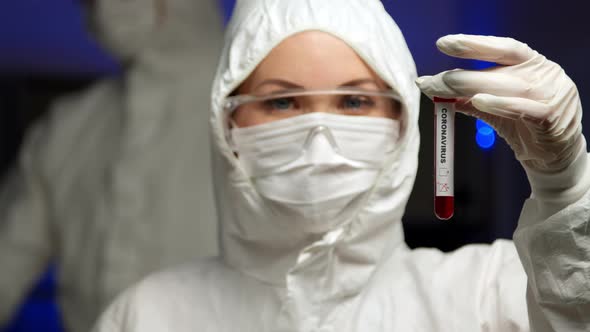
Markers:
485,141
483,127
486,136
479,123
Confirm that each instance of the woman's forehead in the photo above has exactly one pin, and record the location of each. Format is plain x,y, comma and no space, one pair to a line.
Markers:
312,60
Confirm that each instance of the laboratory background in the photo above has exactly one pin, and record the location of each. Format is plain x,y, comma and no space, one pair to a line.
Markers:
46,52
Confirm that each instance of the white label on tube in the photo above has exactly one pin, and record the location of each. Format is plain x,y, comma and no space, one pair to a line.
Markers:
445,148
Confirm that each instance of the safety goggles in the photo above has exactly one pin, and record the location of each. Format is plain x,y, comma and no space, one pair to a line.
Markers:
290,103
289,122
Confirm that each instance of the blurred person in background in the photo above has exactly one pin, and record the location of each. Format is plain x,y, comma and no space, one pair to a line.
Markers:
113,183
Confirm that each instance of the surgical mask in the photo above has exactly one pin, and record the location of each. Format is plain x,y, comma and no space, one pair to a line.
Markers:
313,169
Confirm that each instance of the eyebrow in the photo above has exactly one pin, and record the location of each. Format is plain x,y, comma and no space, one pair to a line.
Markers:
279,82
360,81
291,85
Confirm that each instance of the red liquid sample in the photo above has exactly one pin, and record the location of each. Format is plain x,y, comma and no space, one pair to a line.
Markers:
444,207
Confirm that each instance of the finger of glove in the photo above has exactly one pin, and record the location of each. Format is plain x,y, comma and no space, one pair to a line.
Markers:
512,107
501,50
466,83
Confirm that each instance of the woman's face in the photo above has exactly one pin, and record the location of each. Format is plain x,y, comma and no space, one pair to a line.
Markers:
311,60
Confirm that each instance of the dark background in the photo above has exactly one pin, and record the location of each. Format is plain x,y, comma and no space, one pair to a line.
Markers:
45,52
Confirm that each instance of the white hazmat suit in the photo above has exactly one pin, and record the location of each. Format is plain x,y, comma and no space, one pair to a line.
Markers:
360,275
114,183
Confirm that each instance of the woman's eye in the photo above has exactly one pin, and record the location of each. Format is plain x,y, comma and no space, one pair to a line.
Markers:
279,103
354,102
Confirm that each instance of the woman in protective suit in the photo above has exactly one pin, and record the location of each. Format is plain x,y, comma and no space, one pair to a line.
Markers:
315,143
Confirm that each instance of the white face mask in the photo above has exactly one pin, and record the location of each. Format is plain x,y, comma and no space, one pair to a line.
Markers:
314,168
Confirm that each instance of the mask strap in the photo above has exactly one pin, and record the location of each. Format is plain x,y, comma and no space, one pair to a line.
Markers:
228,137
232,123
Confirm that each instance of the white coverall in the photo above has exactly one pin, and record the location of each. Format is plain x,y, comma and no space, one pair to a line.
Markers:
114,183
360,276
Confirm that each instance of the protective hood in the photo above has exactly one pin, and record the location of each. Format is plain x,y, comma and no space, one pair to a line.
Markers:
156,28
256,242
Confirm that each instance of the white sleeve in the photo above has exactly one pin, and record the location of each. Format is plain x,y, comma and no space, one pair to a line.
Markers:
125,313
25,234
117,314
553,243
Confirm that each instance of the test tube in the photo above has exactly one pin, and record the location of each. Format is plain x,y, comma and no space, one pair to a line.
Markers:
444,155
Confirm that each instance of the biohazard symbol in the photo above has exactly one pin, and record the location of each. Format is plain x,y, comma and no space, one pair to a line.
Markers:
443,187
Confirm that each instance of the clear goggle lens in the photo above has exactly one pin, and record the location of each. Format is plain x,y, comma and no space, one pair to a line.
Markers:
286,104
345,118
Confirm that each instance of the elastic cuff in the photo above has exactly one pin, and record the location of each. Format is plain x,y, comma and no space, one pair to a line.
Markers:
557,190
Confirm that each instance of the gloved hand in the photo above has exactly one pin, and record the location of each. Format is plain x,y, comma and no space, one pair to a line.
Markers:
530,102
